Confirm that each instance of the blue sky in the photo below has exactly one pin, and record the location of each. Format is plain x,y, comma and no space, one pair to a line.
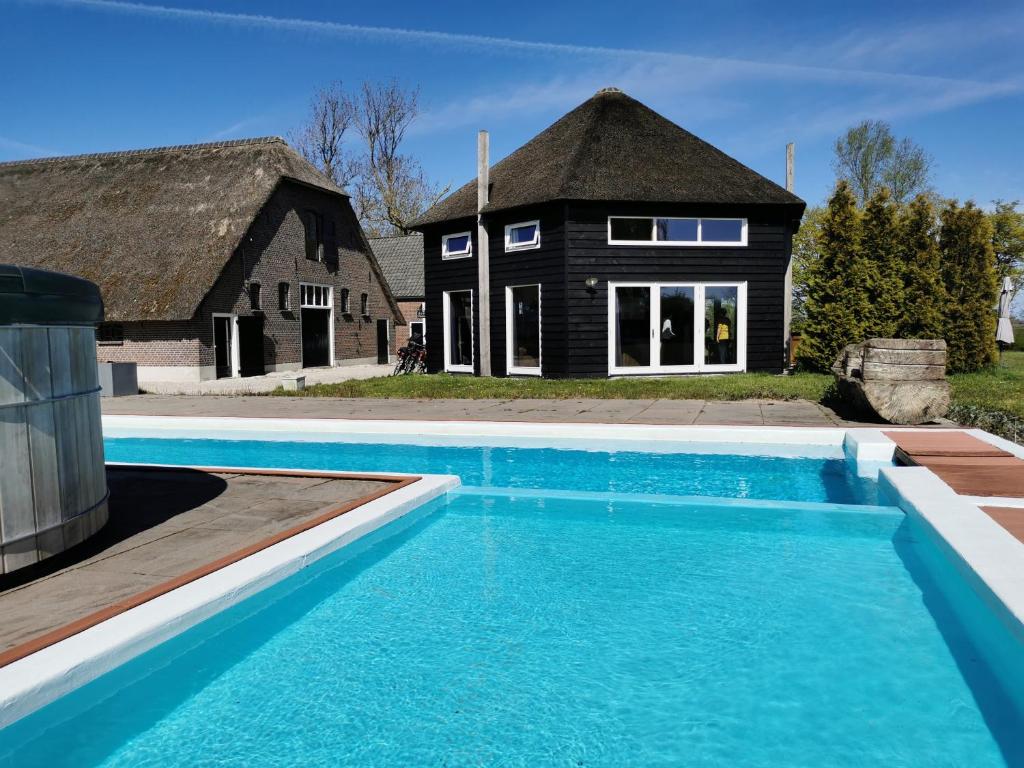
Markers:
99,75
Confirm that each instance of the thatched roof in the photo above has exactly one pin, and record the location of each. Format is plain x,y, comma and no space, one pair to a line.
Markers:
401,261
153,228
614,148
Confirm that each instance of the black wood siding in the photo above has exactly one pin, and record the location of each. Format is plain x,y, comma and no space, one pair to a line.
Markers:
441,275
761,263
574,246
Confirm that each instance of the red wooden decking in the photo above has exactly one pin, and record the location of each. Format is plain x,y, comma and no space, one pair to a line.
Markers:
969,466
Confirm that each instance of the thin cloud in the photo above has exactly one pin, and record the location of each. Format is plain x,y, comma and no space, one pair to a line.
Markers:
22,149
234,129
767,69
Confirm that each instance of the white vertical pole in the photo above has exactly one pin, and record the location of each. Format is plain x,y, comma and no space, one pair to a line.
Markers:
787,311
483,252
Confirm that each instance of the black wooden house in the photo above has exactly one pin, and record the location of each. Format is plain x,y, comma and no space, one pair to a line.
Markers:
617,243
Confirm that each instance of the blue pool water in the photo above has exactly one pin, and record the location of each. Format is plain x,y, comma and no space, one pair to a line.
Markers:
495,630
683,474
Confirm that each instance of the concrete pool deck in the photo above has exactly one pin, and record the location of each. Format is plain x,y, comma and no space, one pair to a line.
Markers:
167,526
679,412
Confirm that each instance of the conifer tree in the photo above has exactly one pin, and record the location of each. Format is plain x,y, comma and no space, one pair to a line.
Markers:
837,287
924,293
883,266
968,266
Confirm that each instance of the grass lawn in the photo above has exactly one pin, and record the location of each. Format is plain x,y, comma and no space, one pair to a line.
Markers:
742,386
998,389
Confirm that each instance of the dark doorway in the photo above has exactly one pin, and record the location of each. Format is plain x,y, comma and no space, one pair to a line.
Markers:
383,343
222,355
250,345
316,337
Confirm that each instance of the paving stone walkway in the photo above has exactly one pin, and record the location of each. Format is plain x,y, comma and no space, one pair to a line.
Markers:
684,412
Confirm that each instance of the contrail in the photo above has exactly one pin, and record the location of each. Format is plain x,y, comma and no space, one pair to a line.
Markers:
483,42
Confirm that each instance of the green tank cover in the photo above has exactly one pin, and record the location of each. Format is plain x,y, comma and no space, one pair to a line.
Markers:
39,297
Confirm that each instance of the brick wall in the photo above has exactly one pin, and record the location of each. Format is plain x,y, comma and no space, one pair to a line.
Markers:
409,310
273,252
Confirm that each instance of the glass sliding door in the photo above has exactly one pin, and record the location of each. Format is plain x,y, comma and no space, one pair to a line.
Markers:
676,328
458,331
721,320
632,327
676,323
522,329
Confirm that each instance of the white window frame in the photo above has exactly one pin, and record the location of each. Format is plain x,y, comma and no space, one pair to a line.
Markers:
699,293
423,329
329,306
446,308
509,318
236,362
446,254
535,243
741,243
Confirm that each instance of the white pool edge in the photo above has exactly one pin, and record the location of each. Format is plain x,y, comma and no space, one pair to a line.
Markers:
44,676
984,552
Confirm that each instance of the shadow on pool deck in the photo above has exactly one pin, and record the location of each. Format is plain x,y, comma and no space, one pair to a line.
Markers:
165,524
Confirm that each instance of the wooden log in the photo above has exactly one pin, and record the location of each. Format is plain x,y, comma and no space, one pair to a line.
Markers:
935,345
904,356
899,380
902,372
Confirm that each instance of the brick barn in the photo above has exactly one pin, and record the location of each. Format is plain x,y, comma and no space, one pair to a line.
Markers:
228,259
401,259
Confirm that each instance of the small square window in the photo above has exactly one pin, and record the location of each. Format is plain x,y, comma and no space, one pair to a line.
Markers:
284,297
522,236
255,297
457,246
364,305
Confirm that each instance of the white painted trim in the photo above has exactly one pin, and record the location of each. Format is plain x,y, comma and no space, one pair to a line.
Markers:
699,366
699,242
329,306
509,319
987,555
535,243
446,326
38,679
236,366
447,255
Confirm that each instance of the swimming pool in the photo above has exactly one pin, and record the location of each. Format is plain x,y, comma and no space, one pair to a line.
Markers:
828,478
557,612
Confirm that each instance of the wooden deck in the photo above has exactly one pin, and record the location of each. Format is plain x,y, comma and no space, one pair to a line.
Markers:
969,466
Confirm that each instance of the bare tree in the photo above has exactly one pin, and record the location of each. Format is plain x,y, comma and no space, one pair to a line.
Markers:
322,139
392,189
389,189
869,157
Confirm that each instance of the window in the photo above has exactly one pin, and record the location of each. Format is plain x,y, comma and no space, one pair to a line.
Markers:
315,296
330,243
458,331
676,327
416,332
457,246
110,334
522,329
364,304
284,297
521,237
344,302
314,225
637,230
255,297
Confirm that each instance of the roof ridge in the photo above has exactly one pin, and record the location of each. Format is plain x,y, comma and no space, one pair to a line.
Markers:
259,140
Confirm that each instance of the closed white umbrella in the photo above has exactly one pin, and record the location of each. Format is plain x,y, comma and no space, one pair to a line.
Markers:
1004,330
